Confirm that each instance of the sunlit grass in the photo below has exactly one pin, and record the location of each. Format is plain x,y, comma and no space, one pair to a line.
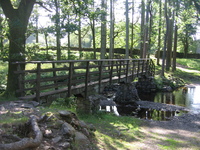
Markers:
13,119
171,144
114,131
191,63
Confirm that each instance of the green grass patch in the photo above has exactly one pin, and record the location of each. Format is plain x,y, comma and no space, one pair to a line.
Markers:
114,131
190,63
13,118
171,144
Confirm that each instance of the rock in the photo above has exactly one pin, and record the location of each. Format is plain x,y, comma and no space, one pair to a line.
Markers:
126,93
81,141
65,145
86,132
64,113
2,108
34,103
68,116
67,129
91,127
56,139
83,124
48,133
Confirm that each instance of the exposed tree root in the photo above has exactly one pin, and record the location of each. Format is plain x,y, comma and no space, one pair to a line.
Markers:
26,142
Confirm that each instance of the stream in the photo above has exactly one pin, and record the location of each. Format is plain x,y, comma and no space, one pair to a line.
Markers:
189,98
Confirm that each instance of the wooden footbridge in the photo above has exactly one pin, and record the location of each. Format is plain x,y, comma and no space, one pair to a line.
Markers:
70,77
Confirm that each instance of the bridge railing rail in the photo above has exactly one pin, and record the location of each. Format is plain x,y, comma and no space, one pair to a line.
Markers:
41,78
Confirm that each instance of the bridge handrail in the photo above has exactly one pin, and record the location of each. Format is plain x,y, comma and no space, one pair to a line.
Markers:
65,75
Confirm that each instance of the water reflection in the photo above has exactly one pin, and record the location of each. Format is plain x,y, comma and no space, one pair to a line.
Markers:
189,98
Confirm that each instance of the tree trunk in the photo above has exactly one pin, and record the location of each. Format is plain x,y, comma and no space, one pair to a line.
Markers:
146,31
132,30
111,29
176,5
18,21
170,23
165,42
58,34
142,28
127,31
159,32
103,29
79,38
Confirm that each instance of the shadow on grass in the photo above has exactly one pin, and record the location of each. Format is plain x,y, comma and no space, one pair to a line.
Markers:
114,132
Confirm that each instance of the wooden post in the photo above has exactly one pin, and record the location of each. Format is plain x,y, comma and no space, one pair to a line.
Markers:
143,64
147,72
133,69
120,69
70,73
87,78
38,82
100,74
111,72
138,71
54,75
127,69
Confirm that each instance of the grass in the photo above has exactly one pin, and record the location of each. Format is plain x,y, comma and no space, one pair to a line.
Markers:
190,63
13,118
113,131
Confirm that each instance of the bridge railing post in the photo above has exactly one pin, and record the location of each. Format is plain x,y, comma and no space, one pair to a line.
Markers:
54,74
87,78
38,82
138,67
120,71
100,74
111,71
70,73
127,70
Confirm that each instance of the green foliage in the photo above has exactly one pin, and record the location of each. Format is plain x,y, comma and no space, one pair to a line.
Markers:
170,80
4,53
69,102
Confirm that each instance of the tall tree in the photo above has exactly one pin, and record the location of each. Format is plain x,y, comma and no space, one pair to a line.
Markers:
176,5
170,24
111,29
58,28
142,28
103,28
127,30
159,32
18,17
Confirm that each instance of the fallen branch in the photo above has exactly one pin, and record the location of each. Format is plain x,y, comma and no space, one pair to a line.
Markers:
26,142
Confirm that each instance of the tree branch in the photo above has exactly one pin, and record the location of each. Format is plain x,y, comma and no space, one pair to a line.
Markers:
7,8
41,4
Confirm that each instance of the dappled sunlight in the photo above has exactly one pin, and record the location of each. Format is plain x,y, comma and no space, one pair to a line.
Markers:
157,137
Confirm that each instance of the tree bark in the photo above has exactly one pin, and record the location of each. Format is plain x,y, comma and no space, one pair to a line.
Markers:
58,34
103,29
18,21
159,32
142,28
